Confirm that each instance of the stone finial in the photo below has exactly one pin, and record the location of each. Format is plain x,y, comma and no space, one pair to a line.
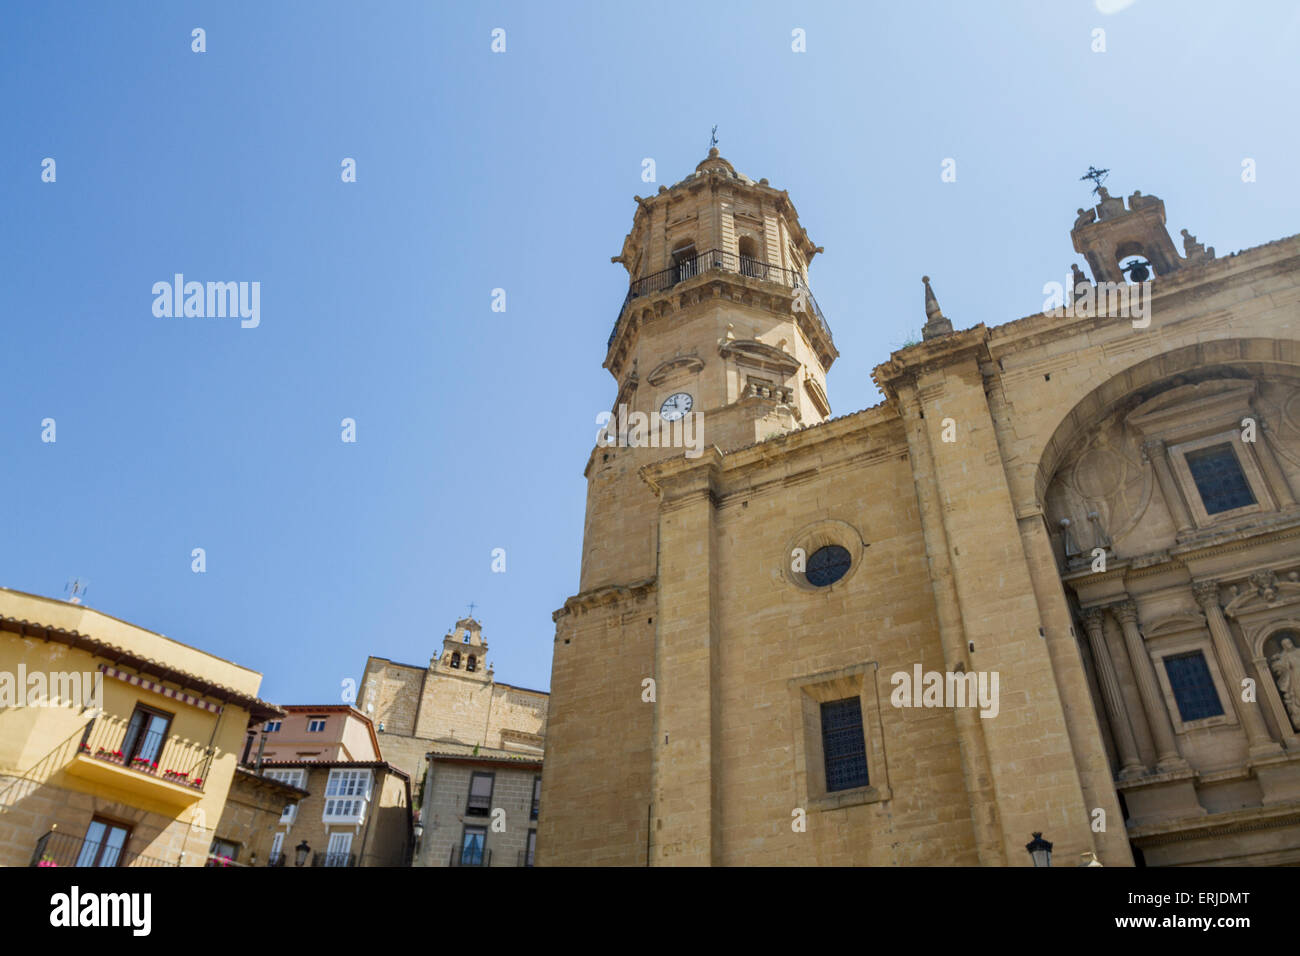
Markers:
1195,252
935,322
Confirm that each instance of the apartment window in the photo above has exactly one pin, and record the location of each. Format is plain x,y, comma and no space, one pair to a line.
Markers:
315,725
346,794
104,844
532,848
1189,679
1219,479
480,794
272,726
145,735
843,744
277,850
222,850
472,845
537,796
339,850
295,778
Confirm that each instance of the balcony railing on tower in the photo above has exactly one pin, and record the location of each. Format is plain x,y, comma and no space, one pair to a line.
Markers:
723,261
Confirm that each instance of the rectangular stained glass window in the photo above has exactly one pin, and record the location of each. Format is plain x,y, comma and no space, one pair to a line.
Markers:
1193,688
1219,479
843,744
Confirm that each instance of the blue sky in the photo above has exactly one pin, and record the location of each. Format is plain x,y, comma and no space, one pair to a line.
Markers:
478,171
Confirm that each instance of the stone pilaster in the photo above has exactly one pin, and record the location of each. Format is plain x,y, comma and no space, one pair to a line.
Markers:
685,830
978,776
1268,463
1130,762
1158,455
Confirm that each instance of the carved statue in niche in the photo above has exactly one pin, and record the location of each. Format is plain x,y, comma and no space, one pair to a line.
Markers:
1285,665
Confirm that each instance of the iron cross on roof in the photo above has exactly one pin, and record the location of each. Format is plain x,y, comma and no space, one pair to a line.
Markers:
472,605
1096,175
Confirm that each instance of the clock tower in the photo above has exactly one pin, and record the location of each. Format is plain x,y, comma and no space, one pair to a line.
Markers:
719,336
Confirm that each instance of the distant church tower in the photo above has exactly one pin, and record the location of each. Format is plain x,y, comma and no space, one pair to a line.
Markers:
719,322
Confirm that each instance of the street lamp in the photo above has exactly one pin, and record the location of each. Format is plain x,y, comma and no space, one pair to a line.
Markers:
1040,850
300,853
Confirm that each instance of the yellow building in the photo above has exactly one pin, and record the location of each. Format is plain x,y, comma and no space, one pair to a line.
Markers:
1051,584
117,745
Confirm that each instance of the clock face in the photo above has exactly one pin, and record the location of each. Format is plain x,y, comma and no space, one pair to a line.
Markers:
675,406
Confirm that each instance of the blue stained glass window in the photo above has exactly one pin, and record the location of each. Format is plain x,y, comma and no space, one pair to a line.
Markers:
827,565
843,745
1189,676
1219,479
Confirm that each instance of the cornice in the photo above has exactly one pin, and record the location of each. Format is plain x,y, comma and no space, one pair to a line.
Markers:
709,286
604,595
908,364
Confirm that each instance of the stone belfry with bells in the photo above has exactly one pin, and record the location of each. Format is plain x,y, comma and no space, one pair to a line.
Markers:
1110,233
719,323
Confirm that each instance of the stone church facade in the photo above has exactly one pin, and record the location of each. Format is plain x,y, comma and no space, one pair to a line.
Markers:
456,702
1095,505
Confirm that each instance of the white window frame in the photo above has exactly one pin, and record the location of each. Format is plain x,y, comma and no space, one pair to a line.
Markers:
339,844
347,793
316,725
293,777
277,844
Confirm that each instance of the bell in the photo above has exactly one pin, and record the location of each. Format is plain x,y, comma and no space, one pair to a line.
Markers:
1138,271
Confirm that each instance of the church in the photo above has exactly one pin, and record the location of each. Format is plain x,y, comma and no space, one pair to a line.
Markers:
1090,515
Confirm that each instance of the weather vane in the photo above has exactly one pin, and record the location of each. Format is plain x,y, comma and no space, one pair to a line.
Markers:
1096,175
713,138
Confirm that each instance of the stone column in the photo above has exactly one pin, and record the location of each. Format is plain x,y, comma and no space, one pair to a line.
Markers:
1162,729
1158,455
1272,470
1207,596
1130,762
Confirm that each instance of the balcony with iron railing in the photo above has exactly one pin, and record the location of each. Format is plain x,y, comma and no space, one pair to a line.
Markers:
325,858
526,857
718,260
161,766
470,856
64,849
275,859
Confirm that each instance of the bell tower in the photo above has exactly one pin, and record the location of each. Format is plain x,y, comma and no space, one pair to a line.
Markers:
719,323
464,650
1109,233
